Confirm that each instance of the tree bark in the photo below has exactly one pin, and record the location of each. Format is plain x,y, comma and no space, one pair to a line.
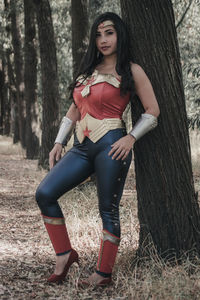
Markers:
19,71
11,83
79,32
13,99
30,81
168,209
4,100
50,97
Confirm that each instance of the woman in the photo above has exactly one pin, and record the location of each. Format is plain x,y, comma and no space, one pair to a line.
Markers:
106,81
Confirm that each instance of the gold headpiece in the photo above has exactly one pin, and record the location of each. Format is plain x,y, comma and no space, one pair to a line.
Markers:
105,23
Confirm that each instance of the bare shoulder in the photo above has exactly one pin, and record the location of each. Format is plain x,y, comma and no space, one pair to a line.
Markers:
137,71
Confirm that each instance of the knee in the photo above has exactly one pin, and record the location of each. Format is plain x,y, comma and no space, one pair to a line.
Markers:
42,196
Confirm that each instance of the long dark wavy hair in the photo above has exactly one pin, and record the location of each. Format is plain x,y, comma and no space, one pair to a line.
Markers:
93,57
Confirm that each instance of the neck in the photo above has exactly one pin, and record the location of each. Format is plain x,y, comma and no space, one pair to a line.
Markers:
110,60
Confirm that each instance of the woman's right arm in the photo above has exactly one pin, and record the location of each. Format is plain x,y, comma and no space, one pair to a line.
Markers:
73,115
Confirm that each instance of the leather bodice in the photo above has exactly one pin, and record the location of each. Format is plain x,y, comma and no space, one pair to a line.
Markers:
99,96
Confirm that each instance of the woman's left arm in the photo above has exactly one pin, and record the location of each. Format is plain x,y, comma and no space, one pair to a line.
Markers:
144,90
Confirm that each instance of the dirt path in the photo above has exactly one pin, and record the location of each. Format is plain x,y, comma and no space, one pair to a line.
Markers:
20,223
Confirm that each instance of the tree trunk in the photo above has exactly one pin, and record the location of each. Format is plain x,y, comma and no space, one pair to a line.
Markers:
19,71
13,99
2,100
30,80
168,209
5,103
11,84
79,32
50,97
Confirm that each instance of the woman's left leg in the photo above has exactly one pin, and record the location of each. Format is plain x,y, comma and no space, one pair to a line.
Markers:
111,176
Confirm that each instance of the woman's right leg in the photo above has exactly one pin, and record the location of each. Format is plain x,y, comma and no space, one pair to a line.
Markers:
71,170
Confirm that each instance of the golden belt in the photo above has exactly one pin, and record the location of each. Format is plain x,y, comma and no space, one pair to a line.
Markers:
94,129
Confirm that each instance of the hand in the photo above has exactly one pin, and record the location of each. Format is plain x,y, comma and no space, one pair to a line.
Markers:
55,154
122,147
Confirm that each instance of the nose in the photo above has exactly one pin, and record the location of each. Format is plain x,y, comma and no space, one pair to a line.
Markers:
103,39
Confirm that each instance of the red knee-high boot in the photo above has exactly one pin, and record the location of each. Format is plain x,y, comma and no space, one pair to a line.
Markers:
58,234
108,252
60,240
106,259
107,255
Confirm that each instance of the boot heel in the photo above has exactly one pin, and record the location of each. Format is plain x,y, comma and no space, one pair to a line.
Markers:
59,278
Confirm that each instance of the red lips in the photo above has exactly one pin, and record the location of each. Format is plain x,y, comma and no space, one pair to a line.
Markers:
105,48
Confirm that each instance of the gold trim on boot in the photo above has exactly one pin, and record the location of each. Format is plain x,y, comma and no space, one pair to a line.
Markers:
54,221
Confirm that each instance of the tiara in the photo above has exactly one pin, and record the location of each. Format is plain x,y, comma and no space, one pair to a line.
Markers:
105,24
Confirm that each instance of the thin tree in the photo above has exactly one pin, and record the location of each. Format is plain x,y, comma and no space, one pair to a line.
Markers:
50,97
168,209
19,70
5,118
11,81
12,94
79,31
30,80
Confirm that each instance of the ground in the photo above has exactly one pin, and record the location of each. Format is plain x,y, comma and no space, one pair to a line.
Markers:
27,257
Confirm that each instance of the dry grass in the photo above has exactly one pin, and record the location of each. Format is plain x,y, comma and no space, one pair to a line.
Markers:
195,149
27,256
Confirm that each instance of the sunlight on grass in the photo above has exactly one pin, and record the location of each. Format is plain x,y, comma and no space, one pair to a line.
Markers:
8,148
195,149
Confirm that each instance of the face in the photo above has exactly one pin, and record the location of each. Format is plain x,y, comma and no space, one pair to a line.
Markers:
106,38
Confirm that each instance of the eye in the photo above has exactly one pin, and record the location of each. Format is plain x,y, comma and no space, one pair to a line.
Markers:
98,34
110,32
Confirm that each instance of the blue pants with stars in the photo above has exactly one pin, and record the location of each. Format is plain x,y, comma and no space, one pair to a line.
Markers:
81,161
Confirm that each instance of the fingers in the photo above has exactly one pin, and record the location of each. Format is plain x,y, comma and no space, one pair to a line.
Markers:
119,152
54,155
121,148
114,148
58,156
51,162
125,155
122,155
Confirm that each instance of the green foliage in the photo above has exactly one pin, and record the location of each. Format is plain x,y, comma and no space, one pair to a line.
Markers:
189,36
62,30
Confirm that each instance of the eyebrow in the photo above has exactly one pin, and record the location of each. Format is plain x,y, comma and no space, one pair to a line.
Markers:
106,30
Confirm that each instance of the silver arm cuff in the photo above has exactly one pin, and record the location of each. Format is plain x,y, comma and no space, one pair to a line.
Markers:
65,131
145,123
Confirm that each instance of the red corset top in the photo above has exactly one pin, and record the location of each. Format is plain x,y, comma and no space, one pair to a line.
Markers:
99,96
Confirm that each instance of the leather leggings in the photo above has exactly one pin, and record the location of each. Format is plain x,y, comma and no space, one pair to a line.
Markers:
78,164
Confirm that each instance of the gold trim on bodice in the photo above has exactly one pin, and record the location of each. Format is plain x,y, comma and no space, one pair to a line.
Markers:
94,129
95,78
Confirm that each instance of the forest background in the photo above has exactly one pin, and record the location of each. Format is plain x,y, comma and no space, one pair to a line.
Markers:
24,277
13,64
